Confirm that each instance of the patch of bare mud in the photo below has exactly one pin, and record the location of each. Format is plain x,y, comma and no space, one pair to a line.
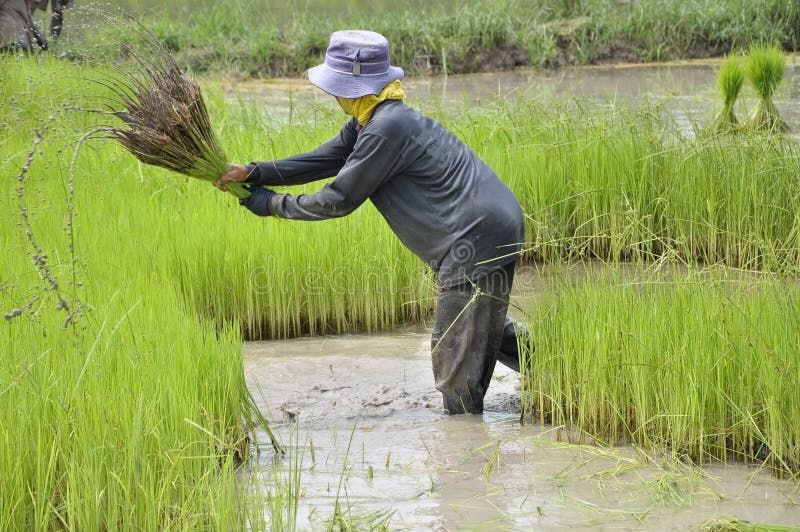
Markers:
361,417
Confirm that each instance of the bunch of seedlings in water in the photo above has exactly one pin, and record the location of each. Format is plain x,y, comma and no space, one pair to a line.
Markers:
730,79
766,67
731,524
164,117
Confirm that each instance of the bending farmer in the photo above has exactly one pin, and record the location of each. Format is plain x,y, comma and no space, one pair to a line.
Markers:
443,202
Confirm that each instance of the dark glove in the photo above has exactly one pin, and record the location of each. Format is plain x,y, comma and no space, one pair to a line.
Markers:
258,200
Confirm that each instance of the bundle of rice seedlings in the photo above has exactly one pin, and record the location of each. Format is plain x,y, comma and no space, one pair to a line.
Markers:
765,69
730,79
164,117
730,524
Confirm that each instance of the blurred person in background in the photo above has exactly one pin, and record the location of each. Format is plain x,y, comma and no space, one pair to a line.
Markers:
18,30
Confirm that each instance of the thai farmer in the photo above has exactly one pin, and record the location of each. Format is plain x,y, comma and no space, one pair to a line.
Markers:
443,202
18,31
57,8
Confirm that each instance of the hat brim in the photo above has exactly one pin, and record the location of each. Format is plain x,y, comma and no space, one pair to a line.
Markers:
350,86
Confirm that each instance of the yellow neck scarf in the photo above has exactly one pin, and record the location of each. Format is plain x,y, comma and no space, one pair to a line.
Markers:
363,107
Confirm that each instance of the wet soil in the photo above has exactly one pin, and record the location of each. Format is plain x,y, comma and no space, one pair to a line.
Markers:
369,429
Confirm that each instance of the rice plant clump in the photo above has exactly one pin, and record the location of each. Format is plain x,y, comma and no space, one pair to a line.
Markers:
766,67
730,80
168,126
164,117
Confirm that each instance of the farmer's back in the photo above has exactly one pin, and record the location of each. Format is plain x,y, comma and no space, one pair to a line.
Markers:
441,196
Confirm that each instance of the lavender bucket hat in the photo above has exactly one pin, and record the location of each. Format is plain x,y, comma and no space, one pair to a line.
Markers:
356,64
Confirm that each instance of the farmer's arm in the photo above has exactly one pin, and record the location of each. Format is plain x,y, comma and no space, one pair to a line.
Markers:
374,160
325,161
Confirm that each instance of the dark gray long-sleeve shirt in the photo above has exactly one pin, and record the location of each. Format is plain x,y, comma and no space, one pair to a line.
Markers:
443,202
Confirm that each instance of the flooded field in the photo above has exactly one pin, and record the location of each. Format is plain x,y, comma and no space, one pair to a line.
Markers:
362,414
434,472
371,435
688,89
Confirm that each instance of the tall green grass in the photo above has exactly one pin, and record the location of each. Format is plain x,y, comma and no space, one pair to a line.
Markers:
630,183
126,292
700,363
121,407
457,37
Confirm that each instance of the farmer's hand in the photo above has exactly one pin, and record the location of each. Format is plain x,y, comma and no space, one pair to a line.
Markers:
258,202
236,174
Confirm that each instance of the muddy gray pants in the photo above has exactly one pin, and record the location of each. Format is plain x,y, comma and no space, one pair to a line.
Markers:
514,337
467,336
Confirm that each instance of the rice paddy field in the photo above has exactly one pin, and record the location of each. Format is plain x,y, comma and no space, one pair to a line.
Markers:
127,292
123,396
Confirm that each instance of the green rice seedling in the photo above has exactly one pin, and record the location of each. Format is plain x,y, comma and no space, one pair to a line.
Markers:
284,492
731,524
700,364
730,79
619,183
135,414
168,126
766,67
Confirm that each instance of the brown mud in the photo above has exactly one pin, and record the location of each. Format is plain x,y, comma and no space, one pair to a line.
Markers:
488,472
366,416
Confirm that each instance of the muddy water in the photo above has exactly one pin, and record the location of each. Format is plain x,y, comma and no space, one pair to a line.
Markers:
372,435
687,89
